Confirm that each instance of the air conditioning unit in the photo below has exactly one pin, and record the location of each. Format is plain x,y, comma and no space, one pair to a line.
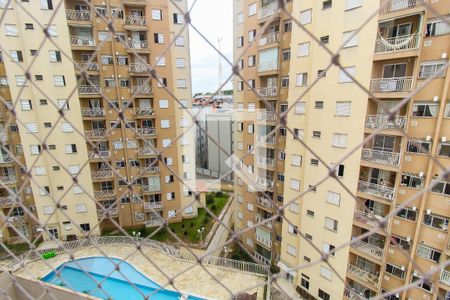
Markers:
408,239
443,139
428,211
436,98
428,138
421,174
414,208
403,268
444,55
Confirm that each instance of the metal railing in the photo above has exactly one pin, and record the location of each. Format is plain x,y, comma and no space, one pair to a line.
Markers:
444,277
383,121
265,182
151,188
264,202
99,154
381,157
270,38
147,151
147,131
268,10
266,242
88,66
265,161
7,200
363,274
368,249
5,159
92,112
365,218
104,193
150,170
144,112
82,41
139,68
394,84
8,179
141,90
108,211
265,139
266,116
135,20
95,133
137,44
394,5
149,206
377,190
89,90
260,219
398,43
267,91
101,174
78,15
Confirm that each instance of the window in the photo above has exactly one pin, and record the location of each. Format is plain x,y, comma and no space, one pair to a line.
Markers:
250,128
38,77
181,83
46,4
334,198
48,210
26,104
106,60
436,221
321,73
179,41
165,124
407,213
288,25
343,108
428,253
251,60
11,30
16,55
301,79
327,248
350,39
251,83
419,146
325,39
295,184
63,104
327,4
252,9
327,273
309,213
411,180
74,169
440,187
240,18
47,124
240,85
444,149
40,171
3,81
432,69
339,140
156,14
35,149
424,109
160,61
251,35
299,108
331,224
351,4
85,227
437,27
21,80
343,77
179,62
59,80
240,41
299,134
296,160
291,250
303,49
318,104
71,148
306,17
81,208
292,229
158,38
51,30
286,54
305,282
321,294
316,134
54,56
285,81
66,127
401,242
394,270
424,284
31,127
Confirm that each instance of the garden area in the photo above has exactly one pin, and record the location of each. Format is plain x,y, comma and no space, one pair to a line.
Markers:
186,230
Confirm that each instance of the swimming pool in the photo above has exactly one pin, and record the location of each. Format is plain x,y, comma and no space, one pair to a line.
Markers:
114,285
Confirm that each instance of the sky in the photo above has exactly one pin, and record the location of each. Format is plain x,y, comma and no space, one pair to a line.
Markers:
214,19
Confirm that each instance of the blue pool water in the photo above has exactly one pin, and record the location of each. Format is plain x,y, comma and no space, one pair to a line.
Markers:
115,285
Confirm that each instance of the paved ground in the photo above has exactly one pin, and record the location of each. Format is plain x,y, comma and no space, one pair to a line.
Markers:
192,278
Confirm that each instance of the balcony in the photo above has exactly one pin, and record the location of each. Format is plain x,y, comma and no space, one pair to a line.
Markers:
139,68
15,220
391,159
445,277
146,132
150,206
7,200
5,159
264,202
378,121
112,212
394,84
135,21
264,139
388,6
265,161
266,116
89,90
141,90
78,15
363,274
147,151
86,66
269,38
95,134
82,41
260,219
266,242
144,112
102,174
138,44
8,179
268,11
397,44
376,190
104,193
94,112
267,91
154,222
369,249
262,258
151,188
364,218
100,155
265,182
150,170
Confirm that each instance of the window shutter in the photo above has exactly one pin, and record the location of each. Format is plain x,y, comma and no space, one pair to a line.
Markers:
339,140
296,160
35,149
39,171
81,208
26,104
343,108
295,184
74,169
165,124
179,62
303,49
300,108
343,77
48,210
349,39
66,127
353,4
31,127
306,17
11,30
334,198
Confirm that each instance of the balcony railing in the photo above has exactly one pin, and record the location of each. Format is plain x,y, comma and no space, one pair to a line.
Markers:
147,131
364,218
144,112
368,249
153,222
267,91
445,277
363,274
262,259
6,159
265,161
88,66
99,155
135,20
381,157
150,170
265,182
266,116
151,188
101,174
136,44
266,139
78,15
268,10
110,211
82,41
394,84
351,294
104,193
398,43
269,38
147,151
377,190
92,112
153,205
263,240
260,219
377,121
89,90
264,202
394,5
8,179
141,90
139,68
95,133
7,200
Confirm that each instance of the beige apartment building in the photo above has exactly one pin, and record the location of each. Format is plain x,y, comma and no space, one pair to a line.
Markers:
393,54
96,78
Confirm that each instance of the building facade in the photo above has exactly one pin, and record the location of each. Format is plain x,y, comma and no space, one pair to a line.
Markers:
116,116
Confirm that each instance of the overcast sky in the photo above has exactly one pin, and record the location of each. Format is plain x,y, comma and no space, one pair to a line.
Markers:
214,19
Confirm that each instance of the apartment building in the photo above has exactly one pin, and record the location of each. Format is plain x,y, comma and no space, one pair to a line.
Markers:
260,26
395,53
116,116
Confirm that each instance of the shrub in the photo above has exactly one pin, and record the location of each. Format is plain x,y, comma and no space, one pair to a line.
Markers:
209,199
185,233
213,207
219,194
182,225
192,224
